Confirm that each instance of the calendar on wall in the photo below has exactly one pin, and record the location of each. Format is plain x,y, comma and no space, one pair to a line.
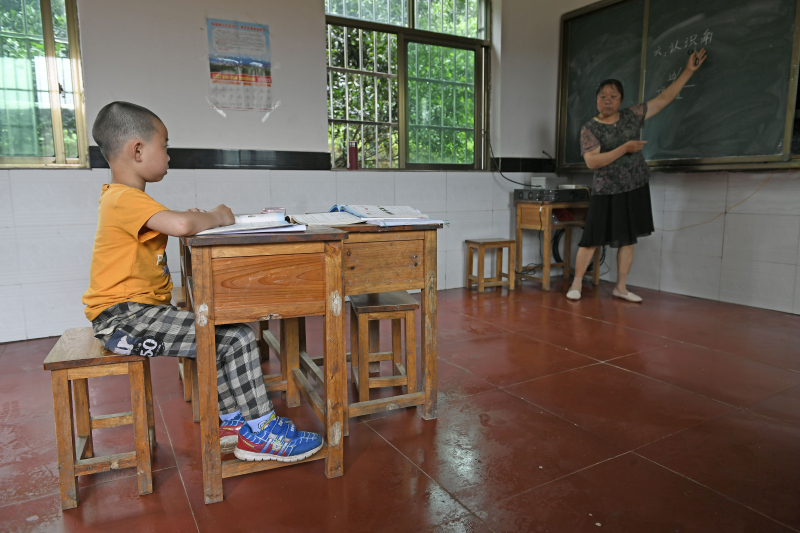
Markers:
239,65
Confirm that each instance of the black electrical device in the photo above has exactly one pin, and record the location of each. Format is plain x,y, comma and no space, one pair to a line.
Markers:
551,195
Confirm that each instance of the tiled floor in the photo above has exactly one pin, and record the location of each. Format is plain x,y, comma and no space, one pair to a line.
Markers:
676,415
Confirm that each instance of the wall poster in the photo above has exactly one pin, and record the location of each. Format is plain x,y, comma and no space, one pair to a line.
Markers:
239,61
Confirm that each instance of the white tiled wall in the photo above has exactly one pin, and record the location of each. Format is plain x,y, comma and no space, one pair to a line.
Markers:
750,256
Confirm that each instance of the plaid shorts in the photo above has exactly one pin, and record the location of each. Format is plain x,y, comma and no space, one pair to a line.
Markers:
240,383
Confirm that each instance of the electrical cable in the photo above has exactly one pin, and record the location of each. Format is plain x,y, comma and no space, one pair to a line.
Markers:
496,164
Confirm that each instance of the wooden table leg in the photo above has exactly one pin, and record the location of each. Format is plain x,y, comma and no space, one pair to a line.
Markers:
83,425
498,276
596,268
207,373
65,439
335,363
481,265
567,253
428,309
470,259
517,266
512,277
263,347
290,356
547,244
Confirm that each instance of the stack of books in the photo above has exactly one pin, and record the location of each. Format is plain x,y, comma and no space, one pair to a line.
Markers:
270,220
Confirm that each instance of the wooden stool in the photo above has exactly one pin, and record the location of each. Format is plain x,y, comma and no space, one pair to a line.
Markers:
481,245
396,306
76,357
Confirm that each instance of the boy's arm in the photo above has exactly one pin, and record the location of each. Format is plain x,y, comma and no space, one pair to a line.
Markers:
183,224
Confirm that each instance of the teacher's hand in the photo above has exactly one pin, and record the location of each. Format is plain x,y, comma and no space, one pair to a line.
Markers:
632,147
695,60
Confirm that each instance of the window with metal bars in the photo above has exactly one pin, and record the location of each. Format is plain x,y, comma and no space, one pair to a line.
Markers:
407,82
41,112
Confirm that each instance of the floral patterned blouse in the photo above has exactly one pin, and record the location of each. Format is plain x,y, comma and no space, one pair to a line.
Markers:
629,171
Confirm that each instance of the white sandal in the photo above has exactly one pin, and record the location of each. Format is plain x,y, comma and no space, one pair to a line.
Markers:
630,296
574,294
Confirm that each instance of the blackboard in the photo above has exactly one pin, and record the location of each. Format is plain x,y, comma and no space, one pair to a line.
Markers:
738,108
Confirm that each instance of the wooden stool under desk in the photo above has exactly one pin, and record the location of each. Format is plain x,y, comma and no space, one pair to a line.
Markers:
480,245
76,357
396,306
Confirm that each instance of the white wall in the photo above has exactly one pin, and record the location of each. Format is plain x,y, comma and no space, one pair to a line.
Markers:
155,53
48,217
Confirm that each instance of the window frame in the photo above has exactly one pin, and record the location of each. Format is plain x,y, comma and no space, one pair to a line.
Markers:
410,34
59,160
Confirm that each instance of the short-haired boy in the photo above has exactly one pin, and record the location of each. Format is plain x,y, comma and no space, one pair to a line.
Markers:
128,299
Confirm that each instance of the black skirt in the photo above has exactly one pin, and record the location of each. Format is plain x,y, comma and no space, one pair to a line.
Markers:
618,219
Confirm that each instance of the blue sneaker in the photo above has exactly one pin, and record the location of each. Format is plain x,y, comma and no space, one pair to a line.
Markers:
278,440
229,431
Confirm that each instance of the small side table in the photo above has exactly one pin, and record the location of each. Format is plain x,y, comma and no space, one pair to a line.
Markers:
539,216
480,245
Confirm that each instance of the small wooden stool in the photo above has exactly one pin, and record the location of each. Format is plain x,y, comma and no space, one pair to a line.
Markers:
481,245
396,306
76,357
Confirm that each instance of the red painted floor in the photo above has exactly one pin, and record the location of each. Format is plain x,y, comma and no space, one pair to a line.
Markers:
600,415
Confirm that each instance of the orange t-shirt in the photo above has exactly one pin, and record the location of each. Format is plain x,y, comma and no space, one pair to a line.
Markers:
129,260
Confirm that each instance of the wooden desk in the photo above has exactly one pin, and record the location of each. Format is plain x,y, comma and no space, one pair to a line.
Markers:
378,259
242,278
539,216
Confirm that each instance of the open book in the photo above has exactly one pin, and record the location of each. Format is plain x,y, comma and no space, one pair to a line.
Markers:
378,212
259,223
326,219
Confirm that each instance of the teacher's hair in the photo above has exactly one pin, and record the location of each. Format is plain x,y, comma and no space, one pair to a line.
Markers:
614,83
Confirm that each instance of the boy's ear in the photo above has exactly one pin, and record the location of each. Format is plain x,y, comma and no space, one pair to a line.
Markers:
137,150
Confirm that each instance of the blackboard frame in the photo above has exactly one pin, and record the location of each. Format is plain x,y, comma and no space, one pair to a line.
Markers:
780,161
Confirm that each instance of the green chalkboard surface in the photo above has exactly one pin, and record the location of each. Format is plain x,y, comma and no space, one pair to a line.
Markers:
738,108
605,44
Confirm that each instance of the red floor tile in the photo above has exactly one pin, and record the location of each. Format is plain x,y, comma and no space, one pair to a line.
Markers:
29,460
620,406
511,358
783,406
728,378
25,395
627,494
26,356
114,506
492,445
752,459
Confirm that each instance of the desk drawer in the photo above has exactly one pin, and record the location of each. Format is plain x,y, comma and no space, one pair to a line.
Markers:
273,281
383,266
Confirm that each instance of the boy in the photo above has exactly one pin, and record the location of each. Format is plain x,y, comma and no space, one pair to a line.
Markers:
129,289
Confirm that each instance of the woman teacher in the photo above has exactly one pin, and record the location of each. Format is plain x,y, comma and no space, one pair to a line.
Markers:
619,209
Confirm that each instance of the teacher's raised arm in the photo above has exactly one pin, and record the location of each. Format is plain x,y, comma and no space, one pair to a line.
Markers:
661,101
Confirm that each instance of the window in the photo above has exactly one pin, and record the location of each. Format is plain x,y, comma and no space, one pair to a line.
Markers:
409,95
41,101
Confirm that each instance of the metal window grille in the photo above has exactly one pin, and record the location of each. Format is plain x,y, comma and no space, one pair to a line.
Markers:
42,120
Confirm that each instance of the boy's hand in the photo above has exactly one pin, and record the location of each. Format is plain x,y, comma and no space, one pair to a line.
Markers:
224,213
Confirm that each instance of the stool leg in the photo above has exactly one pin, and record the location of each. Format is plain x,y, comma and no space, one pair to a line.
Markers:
567,253
140,428
263,347
65,439
363,357
470,257
411,353
499,266
374,344
397,347
187,379
481,258
80,395
151,418
512,260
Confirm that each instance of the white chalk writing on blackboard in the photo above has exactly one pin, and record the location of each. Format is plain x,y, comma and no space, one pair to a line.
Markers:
706,38
688,43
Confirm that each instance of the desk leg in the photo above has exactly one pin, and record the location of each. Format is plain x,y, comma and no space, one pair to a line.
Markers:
335,361
290,358
263,347
207,374
517,266
596,269
429,370
547,247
